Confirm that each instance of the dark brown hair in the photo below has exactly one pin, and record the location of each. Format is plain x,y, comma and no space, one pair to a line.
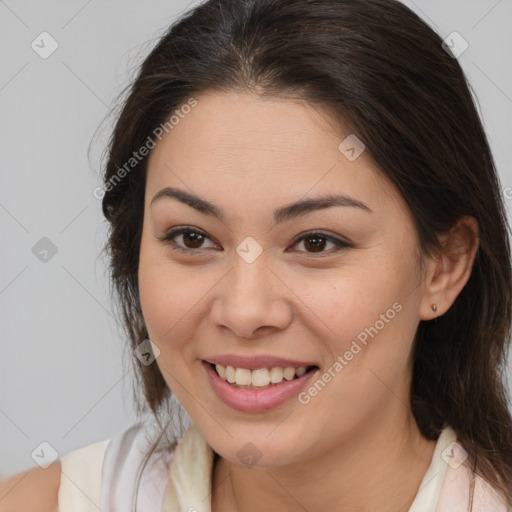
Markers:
376,65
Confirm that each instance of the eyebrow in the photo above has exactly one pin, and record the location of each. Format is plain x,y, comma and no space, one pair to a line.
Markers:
282,214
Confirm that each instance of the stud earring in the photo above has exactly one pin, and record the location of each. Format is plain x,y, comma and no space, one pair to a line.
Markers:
434,307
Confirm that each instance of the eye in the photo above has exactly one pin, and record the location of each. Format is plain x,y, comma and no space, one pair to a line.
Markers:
193,241
192,238
317,242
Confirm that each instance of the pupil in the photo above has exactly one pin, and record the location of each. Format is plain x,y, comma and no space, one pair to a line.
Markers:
195,243
316,245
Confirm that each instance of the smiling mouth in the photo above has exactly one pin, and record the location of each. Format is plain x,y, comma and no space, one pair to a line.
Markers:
261,378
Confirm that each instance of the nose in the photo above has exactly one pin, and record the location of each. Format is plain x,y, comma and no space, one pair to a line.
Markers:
252,301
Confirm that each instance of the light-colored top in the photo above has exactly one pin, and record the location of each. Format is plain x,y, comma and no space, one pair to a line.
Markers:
102,477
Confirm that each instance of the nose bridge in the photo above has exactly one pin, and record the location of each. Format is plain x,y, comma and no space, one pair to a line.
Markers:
250,297
249,272
249,280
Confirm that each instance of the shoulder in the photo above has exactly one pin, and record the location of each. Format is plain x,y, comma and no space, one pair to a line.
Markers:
66,483
131,474
461,486
113,474
81,475
36,490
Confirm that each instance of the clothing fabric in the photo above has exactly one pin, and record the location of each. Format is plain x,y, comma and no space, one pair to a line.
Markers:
103,476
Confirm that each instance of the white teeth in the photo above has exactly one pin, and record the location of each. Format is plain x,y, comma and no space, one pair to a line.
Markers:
300,371
289,373
221,370
243,377
276,375
230,374
258,378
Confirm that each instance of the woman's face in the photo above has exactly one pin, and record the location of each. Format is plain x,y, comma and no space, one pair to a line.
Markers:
251,285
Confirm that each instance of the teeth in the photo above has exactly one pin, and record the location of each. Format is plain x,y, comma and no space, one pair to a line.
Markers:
258,378
276,375
289,373
243,377
300,371
230,374
221,370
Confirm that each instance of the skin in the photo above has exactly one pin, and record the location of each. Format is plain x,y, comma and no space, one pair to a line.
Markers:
36,489
354,446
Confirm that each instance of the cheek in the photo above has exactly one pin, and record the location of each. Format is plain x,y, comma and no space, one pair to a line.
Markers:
369,354
163,295
164,303
372,313
173,299
155,298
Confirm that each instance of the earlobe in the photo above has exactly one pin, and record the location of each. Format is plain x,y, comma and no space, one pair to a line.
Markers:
450,271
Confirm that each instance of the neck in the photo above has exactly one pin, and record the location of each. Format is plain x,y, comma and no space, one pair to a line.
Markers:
379,468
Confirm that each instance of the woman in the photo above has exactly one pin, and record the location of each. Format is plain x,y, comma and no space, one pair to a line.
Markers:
307,223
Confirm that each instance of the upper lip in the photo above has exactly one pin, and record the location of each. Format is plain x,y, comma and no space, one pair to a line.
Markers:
256,362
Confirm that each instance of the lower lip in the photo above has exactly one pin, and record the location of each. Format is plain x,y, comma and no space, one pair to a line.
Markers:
248,400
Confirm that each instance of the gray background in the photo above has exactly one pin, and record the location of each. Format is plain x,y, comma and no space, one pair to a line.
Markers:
62,377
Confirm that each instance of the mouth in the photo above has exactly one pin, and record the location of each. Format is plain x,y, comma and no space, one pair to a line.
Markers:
261,395
261,378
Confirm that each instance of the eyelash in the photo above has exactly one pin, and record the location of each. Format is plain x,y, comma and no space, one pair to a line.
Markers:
169,240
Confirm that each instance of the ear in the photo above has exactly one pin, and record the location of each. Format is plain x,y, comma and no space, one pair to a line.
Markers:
448,273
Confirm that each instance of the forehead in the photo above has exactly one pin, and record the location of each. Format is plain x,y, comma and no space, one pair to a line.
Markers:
274,148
